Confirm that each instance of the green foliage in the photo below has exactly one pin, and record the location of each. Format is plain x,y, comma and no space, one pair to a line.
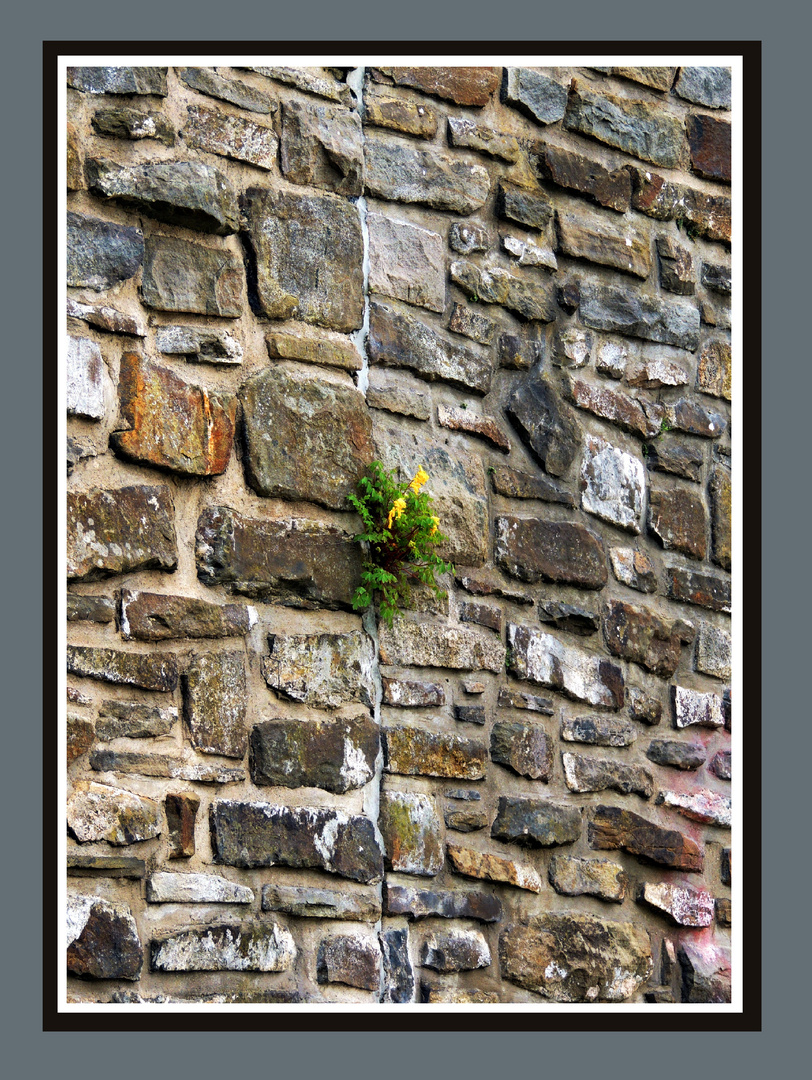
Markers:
398,537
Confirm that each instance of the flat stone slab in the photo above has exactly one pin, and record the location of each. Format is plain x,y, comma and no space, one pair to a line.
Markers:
564,552
325,670
253,834
215,703
132,720
120,530
234,137
168,888
646,130
535,822
335,755
571,875
613,828
406,262
100,812
443,903
461,648
118,80
545,423
85,378
414,751
582,773
411,833
148,616
472,863
703,805
149,672
225,948
462,85
541,658
305,902
528,298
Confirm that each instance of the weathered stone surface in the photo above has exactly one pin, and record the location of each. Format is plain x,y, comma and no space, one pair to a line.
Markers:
75,175
633,568
466,237
398,976
165,766
720,765
125,122
99,812
106,318
533,550
225,948
526,206
571,347
150,672
542,658
294,561
168,888
578,173
724,911
523,747
636,314
572,876
676,267
706,215
713,651
517,699
477,864
171,424
575,957
234,91
701,805
717,277
493,285
98,609
400,341
708,86
692,708
455,950
114,866
671,456
603,774
423,645
470,714
350,905
472,325
229,136
466,820
534,94
598,730
215,703
646,130
462,85
407,116
405,173
80,736
626,412
724,866
652,374
261,834
118,80
350,959
398,394
103,940
545,423
185,193
412,693
642,636
84,385
529,253
535,822
413,751
100,253
473,424
249,997
706,974
199,344
183,276
521,485
181,812
147,616
411,833
306,437
76,451
678,519
313,80
436,996
598,239
75,697
430,903
568,617
335,755
694,587
406,262
613,828
481,614
709,140
322,147
612,359
325,670
720,492
678,755
645,709
131,720
308,254
658,78
322,347
612,484
466,133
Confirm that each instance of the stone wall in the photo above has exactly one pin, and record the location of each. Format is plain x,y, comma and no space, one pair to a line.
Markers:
520,280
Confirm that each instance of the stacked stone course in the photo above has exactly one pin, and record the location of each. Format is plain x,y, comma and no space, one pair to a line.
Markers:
518,279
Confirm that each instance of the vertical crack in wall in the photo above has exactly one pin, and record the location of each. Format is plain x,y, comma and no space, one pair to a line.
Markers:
355,80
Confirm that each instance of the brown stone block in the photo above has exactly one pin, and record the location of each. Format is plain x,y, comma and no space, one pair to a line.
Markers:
613,828
462,85
709,140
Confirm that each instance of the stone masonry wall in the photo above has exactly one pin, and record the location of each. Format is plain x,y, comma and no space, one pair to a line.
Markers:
520,280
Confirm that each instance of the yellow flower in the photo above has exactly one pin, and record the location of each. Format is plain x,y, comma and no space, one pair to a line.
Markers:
398,507
420,479
434,527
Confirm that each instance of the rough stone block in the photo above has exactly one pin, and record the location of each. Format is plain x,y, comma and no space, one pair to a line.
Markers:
534,94
598,730
103,940
84,389
268,947
250,834
484,427
183,276
573,876
462,85
112,866
613,484
678,519
535,822
542,658
706,974
124,122
682,904
234,137
720,492
522,485
530,300
101,253
313,80
646,130
613,828
713,651
404,173
215,703
165,766
411,833
534,550
582,174
406,262
522,747
423,645
702,805
477,864
169,888
707,215
398,394
487,140
350,959
633,568
603,774
118,80
325,670
692,708
80,737
335,755
322,147
412,693
181,812
408,117
695,587
640,635
148,671
293,561
106,318
413,751
132,720
708,86
147,616
320,347
466,238
398,976
642,418
349,905
307,251
636,314
440,903
100,812
598,239
517,699
455,950
545,423
677,755
709,140
234,91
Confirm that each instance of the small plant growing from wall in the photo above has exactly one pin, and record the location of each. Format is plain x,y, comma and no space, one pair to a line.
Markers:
399,536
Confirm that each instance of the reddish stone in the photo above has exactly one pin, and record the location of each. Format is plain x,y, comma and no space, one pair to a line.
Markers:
703,214
694,587
720,493
473,424
613,828
637,634
80,737
568,170
181,811
709,140
462,85
626,412
172,425
677,517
